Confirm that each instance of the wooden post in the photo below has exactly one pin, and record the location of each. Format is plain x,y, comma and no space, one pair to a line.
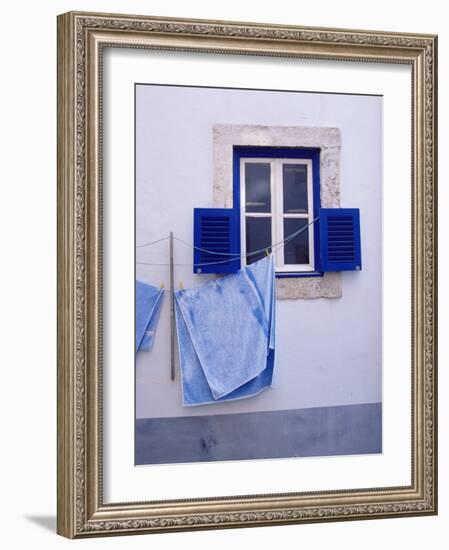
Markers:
172,311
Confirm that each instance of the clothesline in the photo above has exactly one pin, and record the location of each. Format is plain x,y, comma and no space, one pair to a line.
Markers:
232,258
152,242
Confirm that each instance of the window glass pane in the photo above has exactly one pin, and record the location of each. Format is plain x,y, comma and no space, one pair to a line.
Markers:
296,251
258,236
295,188
257,187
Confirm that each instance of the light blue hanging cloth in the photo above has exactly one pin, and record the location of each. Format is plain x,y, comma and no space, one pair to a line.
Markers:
226,335
148,306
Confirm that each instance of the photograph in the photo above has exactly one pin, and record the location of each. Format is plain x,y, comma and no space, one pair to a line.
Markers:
258,268
247,274
227,223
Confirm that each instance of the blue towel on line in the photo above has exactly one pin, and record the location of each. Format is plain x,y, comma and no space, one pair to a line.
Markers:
148,306
226,335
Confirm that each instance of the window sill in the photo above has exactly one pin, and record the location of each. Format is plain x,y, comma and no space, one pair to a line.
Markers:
297,274
305,285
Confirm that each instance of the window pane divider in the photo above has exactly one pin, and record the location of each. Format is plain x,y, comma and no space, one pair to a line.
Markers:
299,215
258,214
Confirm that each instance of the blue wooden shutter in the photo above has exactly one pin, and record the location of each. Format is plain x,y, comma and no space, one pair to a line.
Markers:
216,236
340,239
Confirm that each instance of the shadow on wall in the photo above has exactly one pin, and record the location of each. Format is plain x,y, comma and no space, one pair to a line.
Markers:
46,522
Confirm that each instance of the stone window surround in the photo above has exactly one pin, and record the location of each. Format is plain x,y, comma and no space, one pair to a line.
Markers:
226,136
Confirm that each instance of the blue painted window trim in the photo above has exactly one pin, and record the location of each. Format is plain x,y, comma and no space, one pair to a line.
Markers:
226,242
341,259
312,153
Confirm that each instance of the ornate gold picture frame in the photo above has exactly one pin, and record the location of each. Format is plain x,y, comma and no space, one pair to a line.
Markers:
82,509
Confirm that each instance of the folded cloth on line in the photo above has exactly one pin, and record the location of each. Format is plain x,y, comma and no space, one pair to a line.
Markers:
226,335
148,306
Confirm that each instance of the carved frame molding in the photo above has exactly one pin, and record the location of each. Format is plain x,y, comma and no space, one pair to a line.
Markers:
81,39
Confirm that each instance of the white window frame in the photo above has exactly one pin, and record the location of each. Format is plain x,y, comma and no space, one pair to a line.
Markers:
277,215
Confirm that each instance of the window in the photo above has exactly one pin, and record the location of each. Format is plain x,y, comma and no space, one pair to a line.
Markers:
277,191
271,199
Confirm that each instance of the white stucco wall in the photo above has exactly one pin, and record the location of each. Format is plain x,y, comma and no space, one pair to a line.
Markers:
328,350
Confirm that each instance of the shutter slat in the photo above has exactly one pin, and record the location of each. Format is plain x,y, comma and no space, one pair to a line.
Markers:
216,230
340,239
